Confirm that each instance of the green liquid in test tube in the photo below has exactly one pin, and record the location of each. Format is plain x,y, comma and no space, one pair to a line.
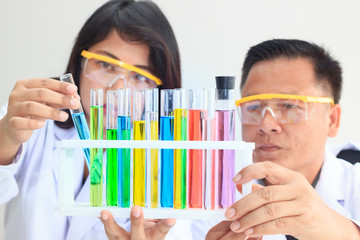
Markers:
111,153
96,154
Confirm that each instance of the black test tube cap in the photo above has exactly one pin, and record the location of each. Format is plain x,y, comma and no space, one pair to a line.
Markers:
226,83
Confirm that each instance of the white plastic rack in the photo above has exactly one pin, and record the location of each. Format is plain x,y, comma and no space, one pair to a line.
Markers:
67,206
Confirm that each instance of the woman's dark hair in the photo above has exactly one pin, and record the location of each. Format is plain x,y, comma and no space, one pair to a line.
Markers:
141,22
327,70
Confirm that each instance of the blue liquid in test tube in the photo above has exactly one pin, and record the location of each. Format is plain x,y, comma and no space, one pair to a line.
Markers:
79,120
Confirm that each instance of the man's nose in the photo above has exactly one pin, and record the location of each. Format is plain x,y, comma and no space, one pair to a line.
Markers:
268,123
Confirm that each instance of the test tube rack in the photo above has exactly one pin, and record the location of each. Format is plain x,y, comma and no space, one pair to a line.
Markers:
67,206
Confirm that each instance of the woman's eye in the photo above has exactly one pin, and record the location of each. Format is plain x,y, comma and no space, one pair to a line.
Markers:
140,77
106,65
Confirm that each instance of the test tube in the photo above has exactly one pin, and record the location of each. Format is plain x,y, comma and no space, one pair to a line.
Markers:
225,131
111,153
139,133
96,154
152,122
210,175
167,155
180,134
124,133
195,161
79,119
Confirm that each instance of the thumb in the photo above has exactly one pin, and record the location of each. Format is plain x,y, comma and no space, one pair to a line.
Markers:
137,223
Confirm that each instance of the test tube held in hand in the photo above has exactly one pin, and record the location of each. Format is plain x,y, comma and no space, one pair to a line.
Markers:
96,154
111,153
124,133
225,131
167,155
79,119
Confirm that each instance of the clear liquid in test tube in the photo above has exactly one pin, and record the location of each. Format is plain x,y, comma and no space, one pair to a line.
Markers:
79,119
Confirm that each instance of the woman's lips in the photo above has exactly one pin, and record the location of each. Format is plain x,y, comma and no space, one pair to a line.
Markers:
269,147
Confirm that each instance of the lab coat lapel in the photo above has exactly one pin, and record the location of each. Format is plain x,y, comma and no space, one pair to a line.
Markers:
331,184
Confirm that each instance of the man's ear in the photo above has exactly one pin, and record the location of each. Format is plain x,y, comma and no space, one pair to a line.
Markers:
334,115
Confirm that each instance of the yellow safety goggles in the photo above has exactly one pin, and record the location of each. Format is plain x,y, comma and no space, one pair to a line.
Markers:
285,108
107,71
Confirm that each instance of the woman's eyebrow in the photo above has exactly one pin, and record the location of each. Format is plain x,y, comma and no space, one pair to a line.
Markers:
115,57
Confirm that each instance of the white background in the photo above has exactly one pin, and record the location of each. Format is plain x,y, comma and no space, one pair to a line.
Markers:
36,37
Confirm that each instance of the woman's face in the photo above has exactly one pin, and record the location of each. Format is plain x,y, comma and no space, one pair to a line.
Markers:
113,46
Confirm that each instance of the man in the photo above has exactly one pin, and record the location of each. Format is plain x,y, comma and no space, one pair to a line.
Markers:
290,105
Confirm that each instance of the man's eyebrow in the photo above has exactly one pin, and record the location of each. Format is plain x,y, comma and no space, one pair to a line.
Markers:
115,57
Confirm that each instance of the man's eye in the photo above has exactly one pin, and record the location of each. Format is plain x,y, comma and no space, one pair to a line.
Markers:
288,106
252,108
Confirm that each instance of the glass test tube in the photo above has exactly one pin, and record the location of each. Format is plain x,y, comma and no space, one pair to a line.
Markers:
195,161
124,133
139,132
167,155
96,154
152,123
208,123
180,134
225,131
111,153
79,119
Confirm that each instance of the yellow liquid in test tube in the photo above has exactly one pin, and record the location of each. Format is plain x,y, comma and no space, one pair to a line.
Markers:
154,166
139,165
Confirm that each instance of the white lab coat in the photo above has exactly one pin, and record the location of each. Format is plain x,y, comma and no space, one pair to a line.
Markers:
29,186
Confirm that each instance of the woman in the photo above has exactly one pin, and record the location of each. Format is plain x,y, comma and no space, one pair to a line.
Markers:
134,32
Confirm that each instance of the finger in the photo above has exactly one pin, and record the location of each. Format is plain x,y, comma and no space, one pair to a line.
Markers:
26,123
274,173
112,229
266,213
219,230
254,187
162,228
52,84
38,110
137,223
259,198
277,226
51,98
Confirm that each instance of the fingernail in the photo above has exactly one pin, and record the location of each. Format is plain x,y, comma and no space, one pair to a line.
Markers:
249,231
235,225
237,178
230,213
63,116
104,216
171,222
71,88
136,212
74,102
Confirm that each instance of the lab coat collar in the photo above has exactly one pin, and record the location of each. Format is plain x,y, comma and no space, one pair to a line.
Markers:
331,183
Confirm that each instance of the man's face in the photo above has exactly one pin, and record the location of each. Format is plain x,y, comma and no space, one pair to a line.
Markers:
297,146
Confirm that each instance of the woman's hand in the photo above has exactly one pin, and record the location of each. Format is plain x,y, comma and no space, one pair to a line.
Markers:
31,103
140,229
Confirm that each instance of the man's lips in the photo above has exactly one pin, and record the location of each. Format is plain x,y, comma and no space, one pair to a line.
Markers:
269,147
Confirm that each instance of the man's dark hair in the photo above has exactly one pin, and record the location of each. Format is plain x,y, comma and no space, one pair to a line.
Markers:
134,21
327,70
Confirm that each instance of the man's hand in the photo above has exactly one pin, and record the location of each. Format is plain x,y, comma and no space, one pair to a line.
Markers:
289,205
140,229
